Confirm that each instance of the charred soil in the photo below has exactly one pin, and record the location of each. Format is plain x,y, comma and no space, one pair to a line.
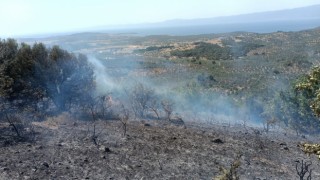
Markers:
152,150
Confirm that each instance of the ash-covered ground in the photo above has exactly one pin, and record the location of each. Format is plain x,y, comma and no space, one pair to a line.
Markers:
63,149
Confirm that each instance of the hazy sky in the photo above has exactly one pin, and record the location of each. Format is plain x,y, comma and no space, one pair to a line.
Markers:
19,17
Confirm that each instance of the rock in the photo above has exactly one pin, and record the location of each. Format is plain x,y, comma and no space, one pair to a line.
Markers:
286,148
39,147
5,169
177,121
104,149
147,125
45,164
217,141
283,144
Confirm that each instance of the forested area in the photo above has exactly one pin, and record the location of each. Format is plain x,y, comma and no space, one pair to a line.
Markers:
34,78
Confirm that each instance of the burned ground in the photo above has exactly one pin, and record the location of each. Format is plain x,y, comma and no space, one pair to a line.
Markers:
63,149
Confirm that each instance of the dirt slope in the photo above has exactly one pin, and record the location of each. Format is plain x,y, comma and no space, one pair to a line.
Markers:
151,151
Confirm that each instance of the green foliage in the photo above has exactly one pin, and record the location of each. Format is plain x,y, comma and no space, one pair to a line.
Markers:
8,49
153,48
299,107
157,48
294,110
205,50
309,88
311,149
29,75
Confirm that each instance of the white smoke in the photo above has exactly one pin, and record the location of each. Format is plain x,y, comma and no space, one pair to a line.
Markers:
103,81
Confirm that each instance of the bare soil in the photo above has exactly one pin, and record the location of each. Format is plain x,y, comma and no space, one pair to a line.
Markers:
150,150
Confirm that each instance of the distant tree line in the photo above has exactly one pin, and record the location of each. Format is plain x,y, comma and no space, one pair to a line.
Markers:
205,50
217,52
153,48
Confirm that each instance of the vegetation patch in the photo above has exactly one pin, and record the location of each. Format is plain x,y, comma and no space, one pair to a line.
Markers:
205,50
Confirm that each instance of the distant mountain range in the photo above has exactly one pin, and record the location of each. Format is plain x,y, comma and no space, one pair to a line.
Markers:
297,14
285,20
263,22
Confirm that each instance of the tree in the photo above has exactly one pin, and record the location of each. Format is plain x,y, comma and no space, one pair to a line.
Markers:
299,107
8,49
69,79
293,109
141,99
167,106
154,107
28,75
124,119
303,168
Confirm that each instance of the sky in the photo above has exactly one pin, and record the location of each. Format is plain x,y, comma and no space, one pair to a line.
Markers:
27,17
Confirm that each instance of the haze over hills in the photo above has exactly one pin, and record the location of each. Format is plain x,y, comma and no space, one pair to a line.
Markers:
262,22
297,14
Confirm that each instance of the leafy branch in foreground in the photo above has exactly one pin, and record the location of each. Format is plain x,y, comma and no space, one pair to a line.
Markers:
309,87
311,149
